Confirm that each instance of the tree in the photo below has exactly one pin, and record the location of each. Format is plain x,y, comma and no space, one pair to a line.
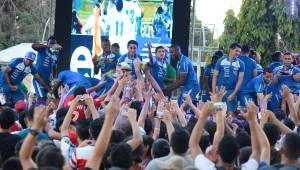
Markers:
257,27
288,26
230,28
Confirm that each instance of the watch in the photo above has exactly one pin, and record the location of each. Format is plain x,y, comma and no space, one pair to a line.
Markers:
33,132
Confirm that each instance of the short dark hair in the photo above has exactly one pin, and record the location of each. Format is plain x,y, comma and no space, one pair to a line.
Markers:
267,70
288,53
12,163
245,154
160,148
272,132
228,149
132,42
96,127
245,49
7,118
79,91
159,47
276,56
115,45
51,38
82,129
117,136
289,123
243,139
211,128
291,145
235,45
61,113
50,156
105,40
121,155
180,141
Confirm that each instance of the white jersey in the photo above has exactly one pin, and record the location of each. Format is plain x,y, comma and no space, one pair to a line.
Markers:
119,29
133,11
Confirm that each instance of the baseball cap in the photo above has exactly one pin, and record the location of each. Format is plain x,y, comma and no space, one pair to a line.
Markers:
30,56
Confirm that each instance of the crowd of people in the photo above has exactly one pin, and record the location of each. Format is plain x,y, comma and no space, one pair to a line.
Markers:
151,115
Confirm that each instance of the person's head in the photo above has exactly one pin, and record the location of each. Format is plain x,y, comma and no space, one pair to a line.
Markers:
121,155
245,153
234,50
82,130
180,141
29,58
228,149
255,56
245,50
79,91
272,132
96,127
105,45
7,118
117,136
243,139
267,73
160,148
175,51
160,52
277,56
115,48
148,142
287,59
290,147
217,55
50,156
132,46
51,40
12,163
119,5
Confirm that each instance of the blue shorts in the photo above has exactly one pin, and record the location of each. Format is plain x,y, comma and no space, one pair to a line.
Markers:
12,96
40,91
231,105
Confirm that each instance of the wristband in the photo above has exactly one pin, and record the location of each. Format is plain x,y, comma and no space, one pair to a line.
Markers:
33,132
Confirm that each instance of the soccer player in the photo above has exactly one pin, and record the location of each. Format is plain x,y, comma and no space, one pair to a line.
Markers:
131,56
229,72
186,79
276,60
45,65
158,65
14,74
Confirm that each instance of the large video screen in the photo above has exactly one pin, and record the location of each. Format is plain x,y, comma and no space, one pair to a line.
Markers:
119,21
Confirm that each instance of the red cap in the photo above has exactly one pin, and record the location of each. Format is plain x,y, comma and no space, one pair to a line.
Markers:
20,106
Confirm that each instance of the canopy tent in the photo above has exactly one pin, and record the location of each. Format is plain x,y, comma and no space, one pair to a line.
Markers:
16,51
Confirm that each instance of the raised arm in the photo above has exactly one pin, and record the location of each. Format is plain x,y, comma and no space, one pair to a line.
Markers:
68,118
137,137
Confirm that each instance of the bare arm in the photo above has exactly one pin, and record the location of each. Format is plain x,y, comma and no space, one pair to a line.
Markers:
38,46
214,81
179,82
137,137
40,80
68,118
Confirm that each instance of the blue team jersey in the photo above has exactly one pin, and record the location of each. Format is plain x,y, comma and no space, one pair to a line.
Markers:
71,78
108,62
18,71
250,64
209,72
288,80
45,63
158,71
129,61
191,82
256,85
259,69
274,64
229,72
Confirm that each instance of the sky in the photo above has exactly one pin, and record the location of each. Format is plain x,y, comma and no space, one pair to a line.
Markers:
213,11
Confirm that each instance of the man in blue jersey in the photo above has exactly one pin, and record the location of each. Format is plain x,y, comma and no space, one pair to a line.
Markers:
71,79
287,74
107,64
14,74
131,56
229,72
45,65
158,65
186,79
250,71
276,60
257,88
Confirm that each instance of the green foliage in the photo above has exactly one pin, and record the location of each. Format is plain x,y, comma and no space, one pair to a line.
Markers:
264,25
22,21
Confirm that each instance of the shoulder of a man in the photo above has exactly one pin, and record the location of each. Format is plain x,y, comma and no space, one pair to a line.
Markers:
250,164
201,162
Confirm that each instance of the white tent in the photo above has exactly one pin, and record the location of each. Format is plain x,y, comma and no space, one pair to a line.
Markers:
16,51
